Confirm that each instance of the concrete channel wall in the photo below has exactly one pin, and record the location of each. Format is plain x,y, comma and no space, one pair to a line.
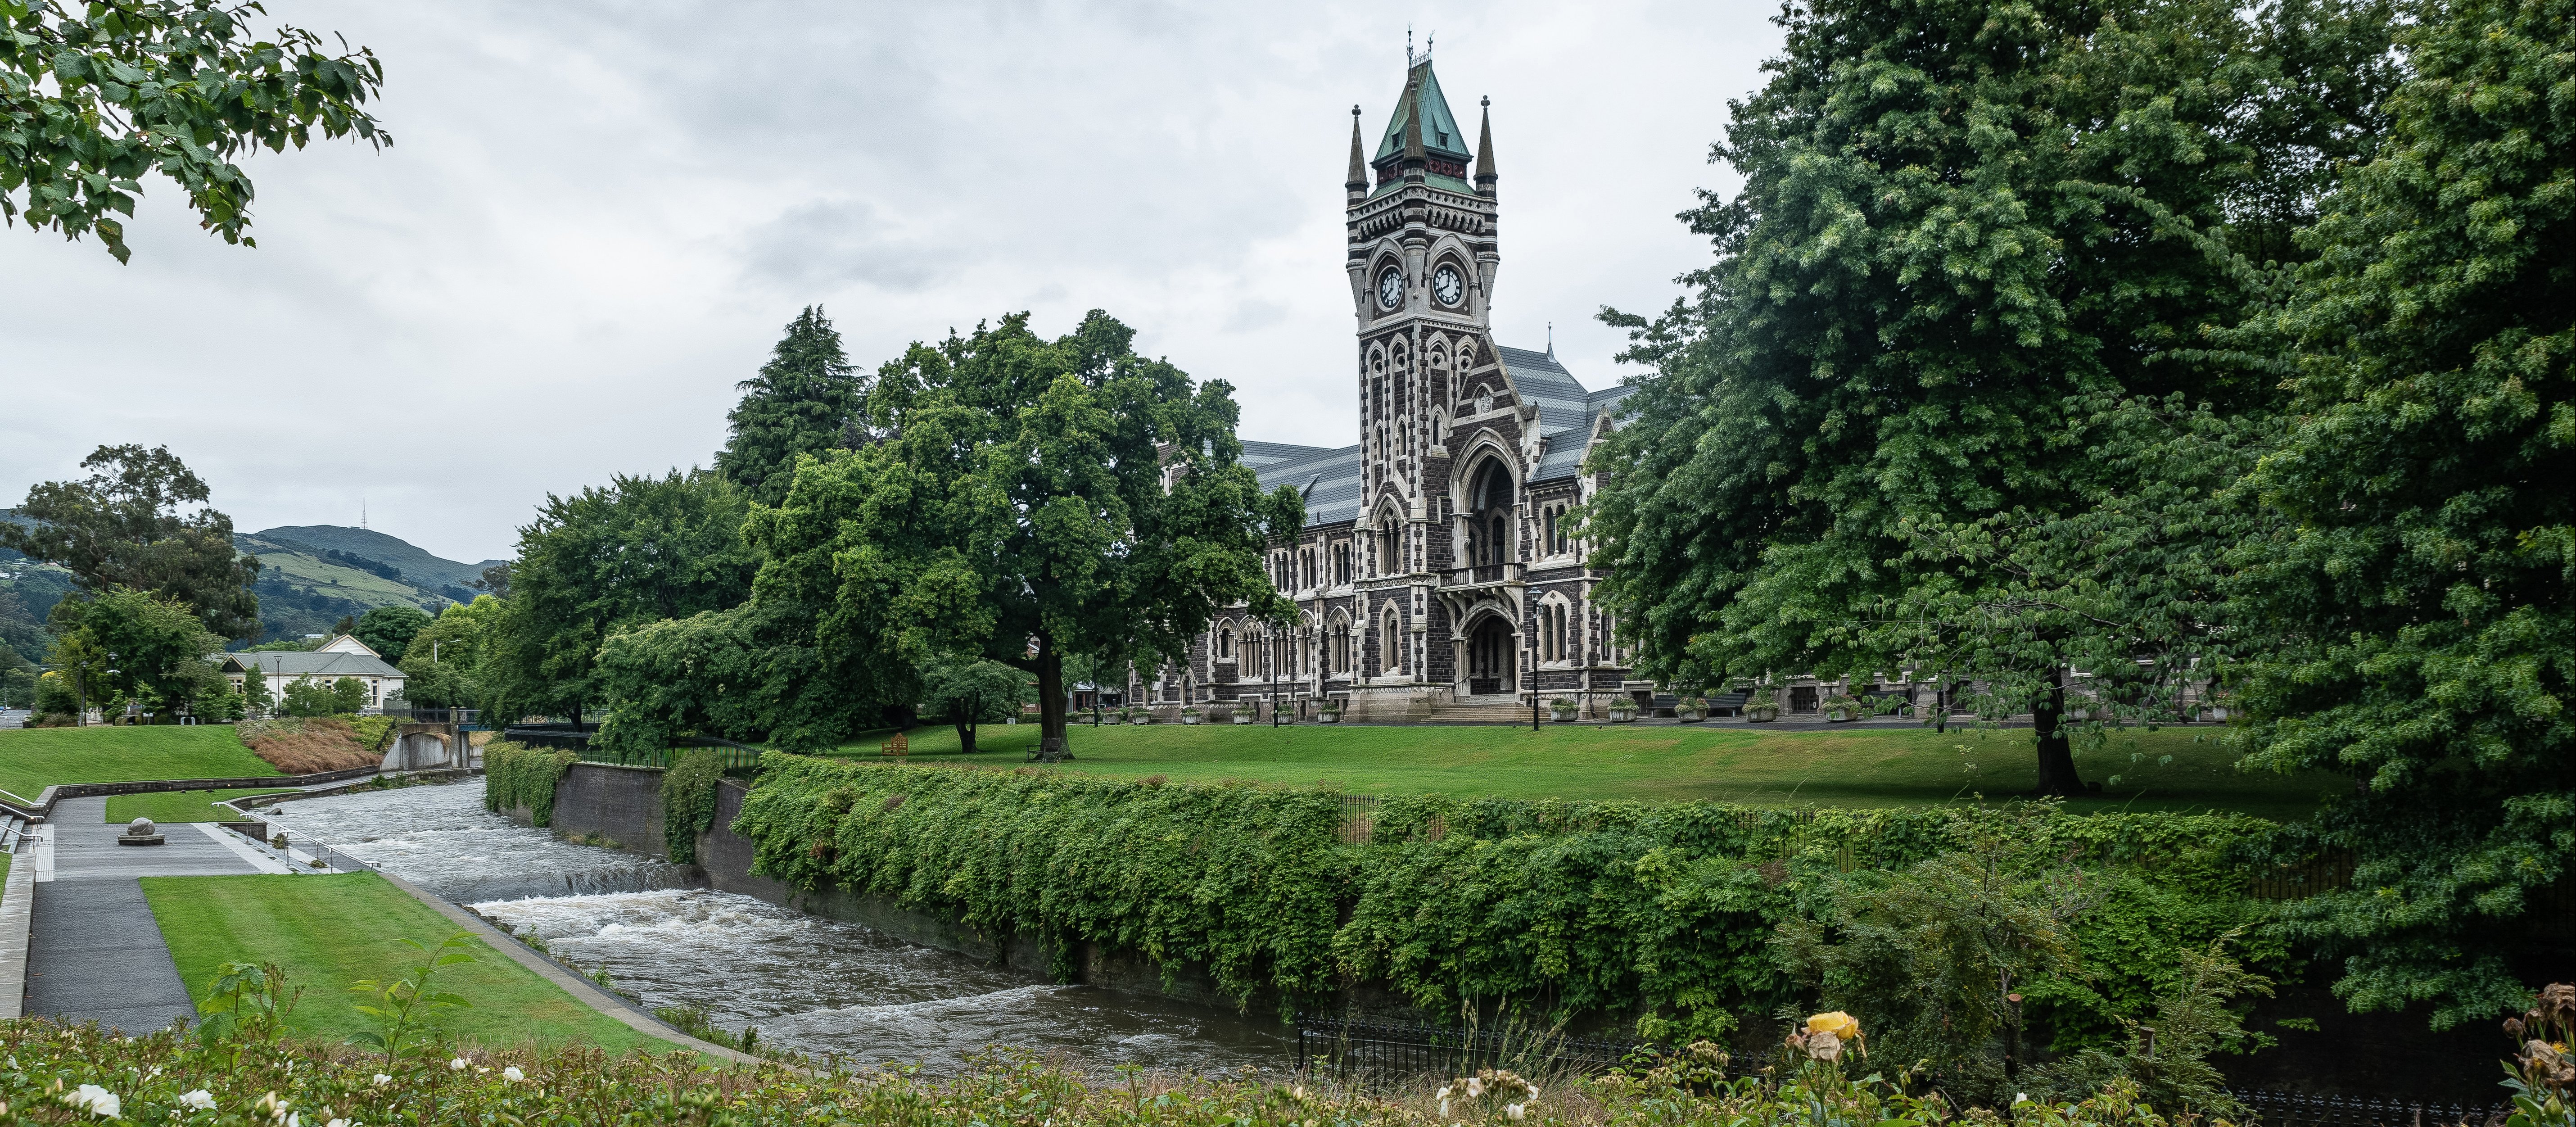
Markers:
623,806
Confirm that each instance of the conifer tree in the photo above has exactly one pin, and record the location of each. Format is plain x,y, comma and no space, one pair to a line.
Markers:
802,402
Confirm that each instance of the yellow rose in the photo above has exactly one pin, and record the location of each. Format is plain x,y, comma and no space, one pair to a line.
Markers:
1838,1023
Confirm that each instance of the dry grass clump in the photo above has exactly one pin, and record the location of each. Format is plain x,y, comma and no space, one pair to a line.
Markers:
307,746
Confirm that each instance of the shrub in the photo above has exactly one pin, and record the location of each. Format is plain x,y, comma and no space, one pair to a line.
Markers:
302,746
515,775
689,803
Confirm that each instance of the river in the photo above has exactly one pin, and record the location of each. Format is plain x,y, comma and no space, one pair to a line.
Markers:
806,983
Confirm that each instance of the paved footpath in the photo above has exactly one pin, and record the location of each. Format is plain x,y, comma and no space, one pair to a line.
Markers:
94,951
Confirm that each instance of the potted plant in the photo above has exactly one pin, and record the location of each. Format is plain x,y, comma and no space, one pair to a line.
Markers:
1561,710
1140,715
1623,710
1691,709
1243,711
1762,707
1189,714
1840,707
1329,712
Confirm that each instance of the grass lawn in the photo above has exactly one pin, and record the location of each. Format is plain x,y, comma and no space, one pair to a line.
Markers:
330,931
33,758
1866,767
180,805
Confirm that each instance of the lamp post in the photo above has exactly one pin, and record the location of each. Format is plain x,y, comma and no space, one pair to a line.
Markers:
1533,674
1271,659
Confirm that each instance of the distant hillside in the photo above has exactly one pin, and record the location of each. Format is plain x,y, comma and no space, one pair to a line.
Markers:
418,566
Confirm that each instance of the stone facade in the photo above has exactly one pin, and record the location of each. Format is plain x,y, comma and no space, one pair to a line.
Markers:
1434,570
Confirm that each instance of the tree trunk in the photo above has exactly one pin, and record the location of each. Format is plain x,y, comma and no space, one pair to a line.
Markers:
966,735
2057,777
1051,700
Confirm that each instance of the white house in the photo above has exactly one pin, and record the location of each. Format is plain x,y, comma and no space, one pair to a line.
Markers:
343,656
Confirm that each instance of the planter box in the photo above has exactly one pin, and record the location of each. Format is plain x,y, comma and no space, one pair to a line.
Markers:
1328,718
1561,715
1623,716
1841,715
1762,715
1690,715
1140,720
1242,716
1190,718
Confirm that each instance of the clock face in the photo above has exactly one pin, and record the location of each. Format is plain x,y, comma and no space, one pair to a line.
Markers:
1390,288
1447,285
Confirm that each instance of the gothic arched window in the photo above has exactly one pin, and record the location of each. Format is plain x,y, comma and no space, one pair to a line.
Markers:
1225,643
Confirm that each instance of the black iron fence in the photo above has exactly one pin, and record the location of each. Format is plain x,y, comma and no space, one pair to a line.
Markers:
417,714
2294,1109
736,758
1361,1046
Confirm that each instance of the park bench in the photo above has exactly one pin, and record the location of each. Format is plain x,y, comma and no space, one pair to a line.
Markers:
896,746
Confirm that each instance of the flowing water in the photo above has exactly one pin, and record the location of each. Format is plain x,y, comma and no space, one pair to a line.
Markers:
807,983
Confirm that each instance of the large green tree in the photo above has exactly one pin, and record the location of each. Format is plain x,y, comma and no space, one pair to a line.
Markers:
641,549
1977,239
95,95
973,692
388,630
127,525
442,666
155,648
2417,597
1032,498
805,401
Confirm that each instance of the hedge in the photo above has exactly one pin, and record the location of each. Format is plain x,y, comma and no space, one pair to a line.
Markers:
515,774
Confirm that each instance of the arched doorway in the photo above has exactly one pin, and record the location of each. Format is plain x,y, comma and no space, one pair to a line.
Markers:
1485,518
1493,655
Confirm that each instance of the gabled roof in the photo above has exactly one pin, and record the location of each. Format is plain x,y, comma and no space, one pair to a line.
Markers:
321,665
347,644
1443,136
1329,478
1566,408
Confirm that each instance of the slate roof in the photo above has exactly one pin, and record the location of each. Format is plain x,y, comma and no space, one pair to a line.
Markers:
320,666
1330,478
1565,408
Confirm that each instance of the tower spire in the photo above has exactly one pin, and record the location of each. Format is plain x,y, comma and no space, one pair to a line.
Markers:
1358,181
1485,150
1415,154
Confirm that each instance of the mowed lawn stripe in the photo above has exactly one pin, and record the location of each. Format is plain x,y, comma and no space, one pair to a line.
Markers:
2168,769
329,931
32,759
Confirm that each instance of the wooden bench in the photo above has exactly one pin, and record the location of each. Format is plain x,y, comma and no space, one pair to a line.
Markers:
896,746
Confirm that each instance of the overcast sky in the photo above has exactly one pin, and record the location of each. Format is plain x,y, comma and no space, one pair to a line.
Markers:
598,217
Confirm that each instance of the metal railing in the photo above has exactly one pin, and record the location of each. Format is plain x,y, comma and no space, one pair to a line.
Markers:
420,715
730,756
1345,1045
2297,1109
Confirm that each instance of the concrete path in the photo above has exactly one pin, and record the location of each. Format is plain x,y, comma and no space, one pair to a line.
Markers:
94,951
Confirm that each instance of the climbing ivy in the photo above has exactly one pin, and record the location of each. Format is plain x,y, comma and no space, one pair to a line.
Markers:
689,803
516,775
1660,914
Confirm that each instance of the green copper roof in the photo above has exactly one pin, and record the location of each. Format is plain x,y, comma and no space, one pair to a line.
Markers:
1443,137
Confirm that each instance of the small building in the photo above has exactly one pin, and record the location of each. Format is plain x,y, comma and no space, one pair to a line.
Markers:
343,656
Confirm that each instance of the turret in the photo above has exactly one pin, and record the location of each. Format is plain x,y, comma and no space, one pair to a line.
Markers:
1356,186
1484,150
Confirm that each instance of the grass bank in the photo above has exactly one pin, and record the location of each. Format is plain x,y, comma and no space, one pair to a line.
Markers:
181,805
330,931
2175,769
32,759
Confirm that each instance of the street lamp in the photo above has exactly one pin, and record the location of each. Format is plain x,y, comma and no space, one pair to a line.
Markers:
1533,674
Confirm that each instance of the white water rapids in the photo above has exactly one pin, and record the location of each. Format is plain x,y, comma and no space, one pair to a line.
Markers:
815,985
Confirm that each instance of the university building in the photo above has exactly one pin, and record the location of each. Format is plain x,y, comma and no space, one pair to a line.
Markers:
1435,575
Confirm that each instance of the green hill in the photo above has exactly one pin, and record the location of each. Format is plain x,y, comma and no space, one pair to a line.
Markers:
418,567
313,575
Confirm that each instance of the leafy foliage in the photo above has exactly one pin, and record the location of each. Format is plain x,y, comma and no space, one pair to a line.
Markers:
1971,234
396,1004
689,803
388,630
714,672
639,550
159,646
1032,499
94,96
968,693
443,664
306,697
2417,594
1661,913
154,1075
804,403
516,775
122,526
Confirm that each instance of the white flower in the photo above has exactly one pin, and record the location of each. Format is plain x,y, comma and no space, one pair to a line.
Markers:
1533,1096
458,1064
513,1075
96,1101
1514,1112
295,1120
1475,1087
200,1099
382,1080
2020,1098
1444,1105
1442,1094
337,1123
1298,1091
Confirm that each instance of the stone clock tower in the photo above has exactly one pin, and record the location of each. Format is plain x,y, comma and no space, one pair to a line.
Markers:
1423,256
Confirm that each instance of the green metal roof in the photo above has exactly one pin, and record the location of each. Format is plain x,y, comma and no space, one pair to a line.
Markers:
1443,136
1432,179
